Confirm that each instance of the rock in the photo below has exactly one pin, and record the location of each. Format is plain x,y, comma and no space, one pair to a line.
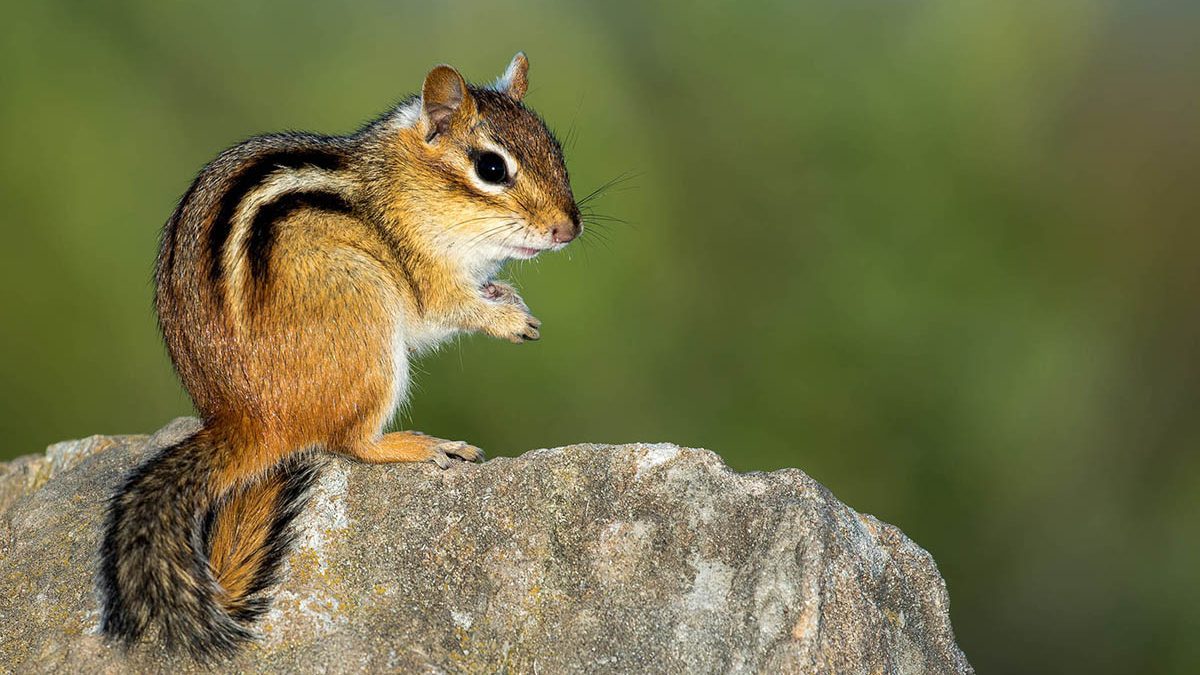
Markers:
589,558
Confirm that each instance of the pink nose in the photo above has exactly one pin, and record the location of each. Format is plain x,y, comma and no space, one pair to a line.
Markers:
564,232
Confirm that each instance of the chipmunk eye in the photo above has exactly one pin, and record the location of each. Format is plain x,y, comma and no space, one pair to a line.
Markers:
491,168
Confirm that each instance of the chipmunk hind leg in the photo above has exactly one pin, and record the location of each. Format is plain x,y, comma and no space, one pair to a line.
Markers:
413,446
320,354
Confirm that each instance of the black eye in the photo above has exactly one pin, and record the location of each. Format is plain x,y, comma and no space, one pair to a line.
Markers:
491,168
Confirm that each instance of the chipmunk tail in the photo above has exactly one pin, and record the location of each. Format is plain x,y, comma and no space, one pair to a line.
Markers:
193,565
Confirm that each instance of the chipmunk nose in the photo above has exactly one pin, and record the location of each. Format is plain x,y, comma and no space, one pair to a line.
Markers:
563,232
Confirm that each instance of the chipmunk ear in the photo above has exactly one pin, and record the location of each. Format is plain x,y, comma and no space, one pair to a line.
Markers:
444,99
515,80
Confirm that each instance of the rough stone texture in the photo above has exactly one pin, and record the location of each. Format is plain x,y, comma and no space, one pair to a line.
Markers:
590,558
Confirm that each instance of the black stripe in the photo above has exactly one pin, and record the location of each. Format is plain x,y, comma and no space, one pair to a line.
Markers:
249,178
262,228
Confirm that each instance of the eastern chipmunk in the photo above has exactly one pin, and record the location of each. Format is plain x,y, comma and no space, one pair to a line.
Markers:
294,280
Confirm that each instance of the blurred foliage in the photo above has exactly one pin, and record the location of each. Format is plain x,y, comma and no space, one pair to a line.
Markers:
940,255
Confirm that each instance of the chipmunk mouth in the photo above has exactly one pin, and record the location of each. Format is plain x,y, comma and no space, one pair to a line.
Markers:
526,252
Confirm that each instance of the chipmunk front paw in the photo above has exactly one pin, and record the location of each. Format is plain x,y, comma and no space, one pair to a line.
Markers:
513,321
517,325
501,292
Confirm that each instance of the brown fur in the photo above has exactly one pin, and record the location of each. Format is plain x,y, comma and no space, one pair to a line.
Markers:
238,541
293,280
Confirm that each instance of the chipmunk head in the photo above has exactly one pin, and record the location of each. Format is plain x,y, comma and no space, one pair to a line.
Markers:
503,186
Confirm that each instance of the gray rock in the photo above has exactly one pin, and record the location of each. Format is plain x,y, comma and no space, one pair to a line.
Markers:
590,558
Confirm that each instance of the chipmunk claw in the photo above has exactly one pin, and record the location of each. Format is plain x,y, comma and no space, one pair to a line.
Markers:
531,332
528,334
445,454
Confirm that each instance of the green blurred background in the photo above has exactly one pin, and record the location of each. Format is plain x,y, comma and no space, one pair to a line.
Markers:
941,255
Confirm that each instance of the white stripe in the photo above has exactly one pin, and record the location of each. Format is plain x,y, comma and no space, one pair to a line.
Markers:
276,185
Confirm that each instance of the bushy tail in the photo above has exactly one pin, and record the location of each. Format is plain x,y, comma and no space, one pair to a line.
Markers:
192,564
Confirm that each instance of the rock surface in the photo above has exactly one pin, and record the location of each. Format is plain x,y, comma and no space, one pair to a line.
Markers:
590,558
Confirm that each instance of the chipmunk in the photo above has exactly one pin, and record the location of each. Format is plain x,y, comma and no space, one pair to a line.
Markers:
294,279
